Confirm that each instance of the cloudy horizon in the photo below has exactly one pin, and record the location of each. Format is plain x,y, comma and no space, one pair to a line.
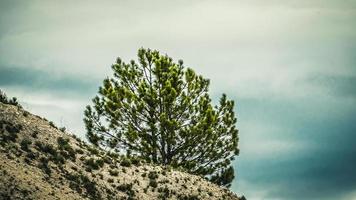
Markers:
288,65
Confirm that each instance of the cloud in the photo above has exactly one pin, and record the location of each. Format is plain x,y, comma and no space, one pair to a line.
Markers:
289,65
40,80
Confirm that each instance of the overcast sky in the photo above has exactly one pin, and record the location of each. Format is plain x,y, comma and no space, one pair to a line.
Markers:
289,65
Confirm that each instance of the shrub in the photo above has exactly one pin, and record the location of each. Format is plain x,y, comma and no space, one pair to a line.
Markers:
77,181
43,164
31,155
152,175
93,150
52,124
11,132
153,183
113,172
4,99
135,161
46,148
242,197
25,113
164,192
80,151
34,134
58,158
125,162
24,144
66,149
188,197
94,164
127,188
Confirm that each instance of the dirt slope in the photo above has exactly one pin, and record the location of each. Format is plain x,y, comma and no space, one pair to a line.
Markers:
40,161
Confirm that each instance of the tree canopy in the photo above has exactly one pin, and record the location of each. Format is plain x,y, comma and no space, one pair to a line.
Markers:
161,111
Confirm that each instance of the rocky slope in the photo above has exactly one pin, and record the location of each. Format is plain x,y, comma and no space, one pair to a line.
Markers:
40,161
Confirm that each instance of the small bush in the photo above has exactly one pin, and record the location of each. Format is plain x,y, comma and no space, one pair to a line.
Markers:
152,175
188,197
66,149
46,148
107,160
62,142
93,150
24,144
113,172
11,134
31,155
153,183
79,181
79,151
44,165
25,113
125,162
242,197
127,188
34,134
135,161
52,124
94,164
4,99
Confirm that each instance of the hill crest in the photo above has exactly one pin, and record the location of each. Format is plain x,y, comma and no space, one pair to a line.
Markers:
41,161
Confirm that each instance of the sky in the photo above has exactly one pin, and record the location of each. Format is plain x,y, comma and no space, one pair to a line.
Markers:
290,67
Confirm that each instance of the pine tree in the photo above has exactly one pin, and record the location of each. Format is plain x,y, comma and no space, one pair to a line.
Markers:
160,111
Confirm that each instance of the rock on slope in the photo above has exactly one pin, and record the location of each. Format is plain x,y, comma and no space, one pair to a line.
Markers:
40,161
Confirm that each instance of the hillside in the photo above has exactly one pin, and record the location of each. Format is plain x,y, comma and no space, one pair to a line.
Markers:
40,161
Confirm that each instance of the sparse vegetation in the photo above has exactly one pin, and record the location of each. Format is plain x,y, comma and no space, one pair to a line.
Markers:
113,172
25,144
94,164
125,162
37,158
52,124
12,101
127,188
79,181
65,149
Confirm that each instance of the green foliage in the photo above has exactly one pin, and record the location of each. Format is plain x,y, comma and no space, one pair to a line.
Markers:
63,129
43,164
65,149
243,197
8,132
188,197
45,148
24,144
52,124
152,175
160,111
113,172
135,161
94,164
225,177
4,99
125,162
127,188
153,183
79,181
